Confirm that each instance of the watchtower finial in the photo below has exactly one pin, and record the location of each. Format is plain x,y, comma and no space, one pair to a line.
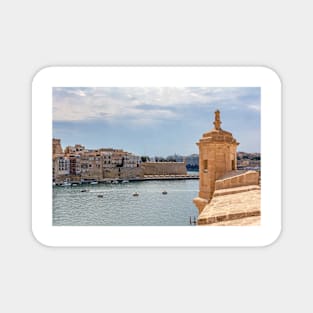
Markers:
217,123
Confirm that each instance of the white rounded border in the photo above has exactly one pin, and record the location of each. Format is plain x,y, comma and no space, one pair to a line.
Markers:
163,236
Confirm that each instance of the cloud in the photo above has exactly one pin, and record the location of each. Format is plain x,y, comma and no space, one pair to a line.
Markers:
146,104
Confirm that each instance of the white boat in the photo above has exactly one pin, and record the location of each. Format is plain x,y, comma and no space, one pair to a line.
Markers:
66,184
125,181
115,182
94,183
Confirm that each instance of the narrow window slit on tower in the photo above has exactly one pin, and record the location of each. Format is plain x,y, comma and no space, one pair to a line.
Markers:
205,165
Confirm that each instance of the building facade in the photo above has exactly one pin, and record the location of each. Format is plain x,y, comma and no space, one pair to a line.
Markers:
76,163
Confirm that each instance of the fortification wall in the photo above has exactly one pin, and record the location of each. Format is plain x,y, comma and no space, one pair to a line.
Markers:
164,168
241,179
123,173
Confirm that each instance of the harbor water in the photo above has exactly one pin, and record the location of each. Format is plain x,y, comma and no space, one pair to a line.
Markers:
116,205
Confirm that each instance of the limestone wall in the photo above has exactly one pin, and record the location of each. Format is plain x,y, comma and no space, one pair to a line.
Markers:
241,179
123,173
164,168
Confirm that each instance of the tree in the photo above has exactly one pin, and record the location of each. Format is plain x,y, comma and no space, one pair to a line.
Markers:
145,158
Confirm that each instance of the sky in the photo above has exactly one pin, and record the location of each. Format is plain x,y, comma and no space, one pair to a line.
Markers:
154,121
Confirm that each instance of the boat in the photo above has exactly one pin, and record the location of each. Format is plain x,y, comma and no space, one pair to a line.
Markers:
115,182
94,183
74,184
135,194
125,181
66,184
164,192
84,190
100,196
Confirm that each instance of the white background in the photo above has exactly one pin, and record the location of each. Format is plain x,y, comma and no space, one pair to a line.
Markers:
165,236
35,34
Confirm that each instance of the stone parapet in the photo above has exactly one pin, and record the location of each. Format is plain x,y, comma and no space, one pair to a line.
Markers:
231,191
236,179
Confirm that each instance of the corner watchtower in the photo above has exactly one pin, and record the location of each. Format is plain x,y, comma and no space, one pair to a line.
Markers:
217,156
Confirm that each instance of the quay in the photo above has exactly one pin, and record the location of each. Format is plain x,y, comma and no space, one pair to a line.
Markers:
137,179
166,177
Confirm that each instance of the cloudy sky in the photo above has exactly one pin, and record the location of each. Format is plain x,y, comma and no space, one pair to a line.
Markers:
154,121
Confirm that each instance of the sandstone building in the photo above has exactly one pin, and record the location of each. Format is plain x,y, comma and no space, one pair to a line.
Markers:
76,164
227,196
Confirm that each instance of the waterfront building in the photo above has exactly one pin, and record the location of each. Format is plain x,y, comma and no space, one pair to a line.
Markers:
77,149
131,161
60,168
91,165
77,163
56,146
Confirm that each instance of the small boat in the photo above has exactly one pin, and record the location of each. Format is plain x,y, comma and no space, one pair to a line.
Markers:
100,196
135,194
94,183
84,190
164,192
125,181
115,182
66,183
74,184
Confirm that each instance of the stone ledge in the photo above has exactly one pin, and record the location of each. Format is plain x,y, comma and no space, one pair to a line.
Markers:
247,221
228,217
228,191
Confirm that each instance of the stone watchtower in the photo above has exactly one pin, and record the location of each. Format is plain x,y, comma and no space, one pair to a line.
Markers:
217,156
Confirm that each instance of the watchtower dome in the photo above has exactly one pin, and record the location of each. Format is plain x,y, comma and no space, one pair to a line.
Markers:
217,156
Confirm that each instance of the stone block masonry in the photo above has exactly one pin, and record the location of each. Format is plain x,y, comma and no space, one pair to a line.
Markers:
236,179
164,168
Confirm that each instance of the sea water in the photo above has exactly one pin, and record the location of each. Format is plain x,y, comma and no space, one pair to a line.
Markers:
115,205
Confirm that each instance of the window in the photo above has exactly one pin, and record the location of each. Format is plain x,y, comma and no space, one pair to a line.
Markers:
205,165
